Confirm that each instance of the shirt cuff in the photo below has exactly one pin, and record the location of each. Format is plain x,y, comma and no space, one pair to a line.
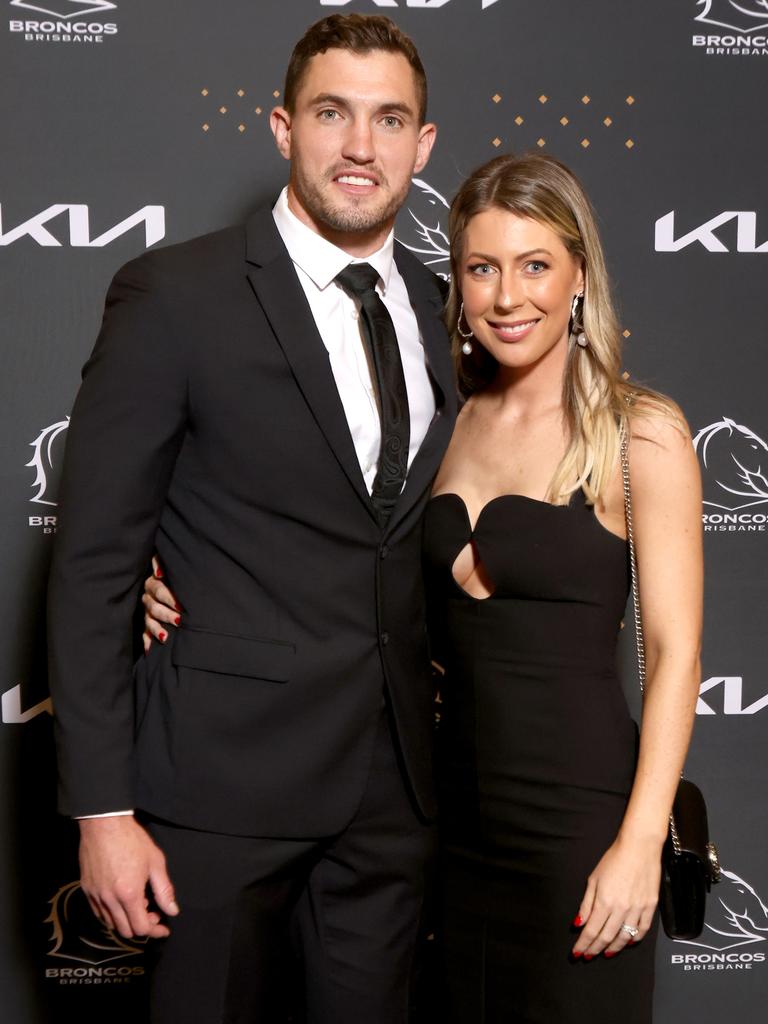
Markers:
107,814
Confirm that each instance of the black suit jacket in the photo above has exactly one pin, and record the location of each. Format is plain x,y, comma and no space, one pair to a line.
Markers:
209,428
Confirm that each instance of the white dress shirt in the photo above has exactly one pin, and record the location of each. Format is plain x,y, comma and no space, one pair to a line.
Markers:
336,314
317,262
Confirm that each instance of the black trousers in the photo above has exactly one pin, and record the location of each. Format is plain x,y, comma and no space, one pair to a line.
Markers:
321,931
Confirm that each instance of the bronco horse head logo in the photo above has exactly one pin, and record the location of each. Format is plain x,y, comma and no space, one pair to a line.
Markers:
736,917
420,227
738,15
43,461
77,935
735,461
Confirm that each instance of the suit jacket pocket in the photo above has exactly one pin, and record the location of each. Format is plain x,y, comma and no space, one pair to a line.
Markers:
228,654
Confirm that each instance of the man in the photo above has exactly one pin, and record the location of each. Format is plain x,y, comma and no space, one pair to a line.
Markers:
267,418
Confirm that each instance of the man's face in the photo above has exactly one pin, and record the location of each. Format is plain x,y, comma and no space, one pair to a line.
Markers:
354,141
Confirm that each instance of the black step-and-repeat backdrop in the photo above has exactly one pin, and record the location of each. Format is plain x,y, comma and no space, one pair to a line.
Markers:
133,124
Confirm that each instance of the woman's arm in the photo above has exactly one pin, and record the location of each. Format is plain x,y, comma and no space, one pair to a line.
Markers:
666,508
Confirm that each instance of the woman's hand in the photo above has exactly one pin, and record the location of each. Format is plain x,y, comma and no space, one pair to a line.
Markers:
160,606
623,889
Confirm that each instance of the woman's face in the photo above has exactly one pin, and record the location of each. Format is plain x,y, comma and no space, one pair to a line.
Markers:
518,281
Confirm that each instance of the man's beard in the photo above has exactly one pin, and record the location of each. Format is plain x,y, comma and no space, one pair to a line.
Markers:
351,217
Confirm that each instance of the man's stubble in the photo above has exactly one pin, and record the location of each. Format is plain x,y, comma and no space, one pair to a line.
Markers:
355,216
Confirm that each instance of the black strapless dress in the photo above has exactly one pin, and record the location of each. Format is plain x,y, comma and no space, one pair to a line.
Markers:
536,756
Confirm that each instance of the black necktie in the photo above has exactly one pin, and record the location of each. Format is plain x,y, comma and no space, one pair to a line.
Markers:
359,279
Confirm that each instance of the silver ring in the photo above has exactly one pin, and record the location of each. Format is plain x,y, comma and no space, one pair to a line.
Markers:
632,932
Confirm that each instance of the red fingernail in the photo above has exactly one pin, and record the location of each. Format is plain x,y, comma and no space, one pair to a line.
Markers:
588,956
608,955
159,572
576,954
162,638
631,942
177,620
177,607
577,921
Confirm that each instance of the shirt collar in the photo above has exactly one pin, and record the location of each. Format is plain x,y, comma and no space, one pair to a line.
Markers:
320,259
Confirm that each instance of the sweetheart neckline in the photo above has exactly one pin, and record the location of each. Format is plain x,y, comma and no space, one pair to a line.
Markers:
523,497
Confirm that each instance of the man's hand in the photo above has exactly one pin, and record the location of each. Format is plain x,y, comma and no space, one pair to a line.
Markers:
118,859
160,606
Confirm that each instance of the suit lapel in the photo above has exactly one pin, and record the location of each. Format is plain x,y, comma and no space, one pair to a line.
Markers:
279,292
427,302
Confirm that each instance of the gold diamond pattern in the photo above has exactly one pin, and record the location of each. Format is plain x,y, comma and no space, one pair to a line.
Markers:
585,143
241,93
496,98
222,110
563,121
541,142
626,334
496,142
543,98
257,110
206,127
585,99
519,120
241,128
276,93
203,92
629,144
607,121
630,100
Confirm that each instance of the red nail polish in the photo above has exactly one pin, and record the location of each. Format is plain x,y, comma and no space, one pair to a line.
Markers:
576,955
631,942
588,956
163,637
177,620
577,921
177,607
159,572
608,954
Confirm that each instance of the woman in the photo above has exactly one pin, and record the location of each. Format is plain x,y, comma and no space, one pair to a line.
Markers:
553,818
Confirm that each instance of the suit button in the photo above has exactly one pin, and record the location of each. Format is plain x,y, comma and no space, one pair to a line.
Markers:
384,639
384,551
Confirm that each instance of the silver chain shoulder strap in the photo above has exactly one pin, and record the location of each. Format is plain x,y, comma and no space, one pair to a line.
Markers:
639,638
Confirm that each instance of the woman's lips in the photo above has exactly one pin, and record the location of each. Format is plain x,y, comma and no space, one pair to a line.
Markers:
514,331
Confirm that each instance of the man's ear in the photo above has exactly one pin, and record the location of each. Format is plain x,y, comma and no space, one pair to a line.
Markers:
427,136
280,123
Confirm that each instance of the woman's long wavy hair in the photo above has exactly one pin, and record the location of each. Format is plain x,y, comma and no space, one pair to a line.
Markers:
595,397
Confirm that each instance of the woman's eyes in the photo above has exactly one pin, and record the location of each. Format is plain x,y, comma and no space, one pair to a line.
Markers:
533,267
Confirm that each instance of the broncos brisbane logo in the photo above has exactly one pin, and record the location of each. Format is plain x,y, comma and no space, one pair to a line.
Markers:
420,225
738,15
735,462
78,935
737,917
44,460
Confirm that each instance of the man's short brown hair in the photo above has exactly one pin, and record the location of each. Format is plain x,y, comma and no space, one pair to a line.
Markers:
358,33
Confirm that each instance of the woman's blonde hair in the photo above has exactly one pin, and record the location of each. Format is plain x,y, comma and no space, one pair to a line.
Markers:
595,397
